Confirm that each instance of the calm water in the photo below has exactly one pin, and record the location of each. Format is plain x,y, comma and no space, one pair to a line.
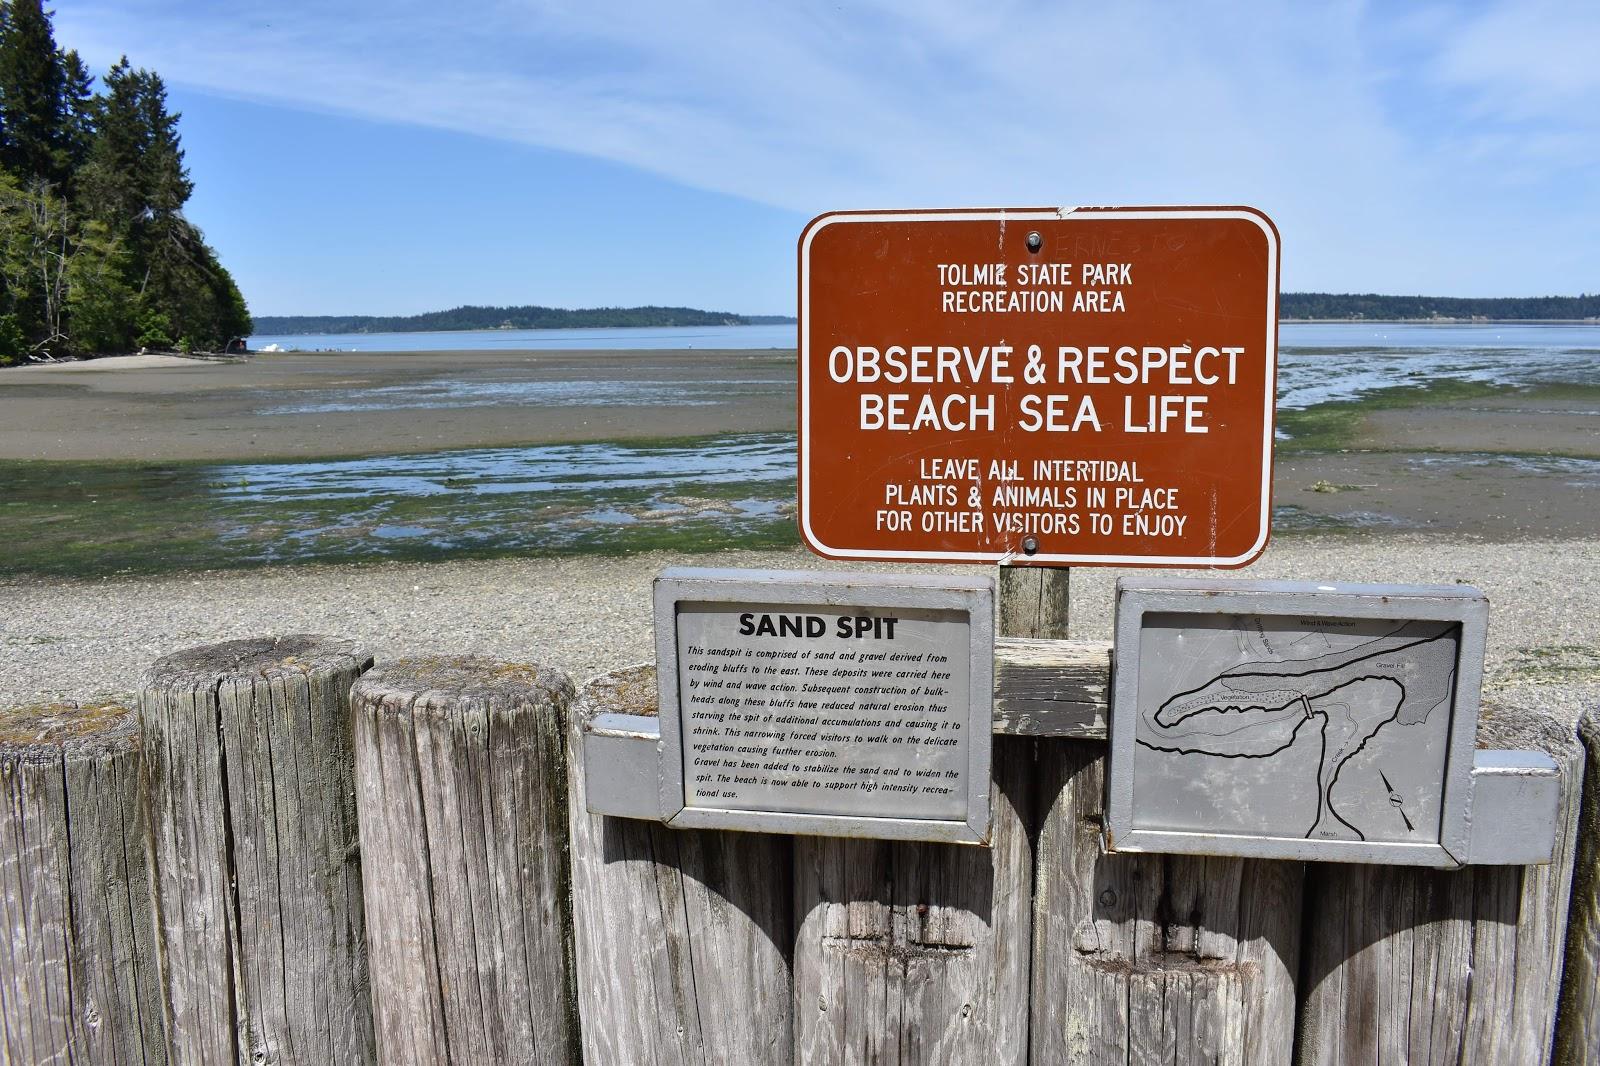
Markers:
493,340
734,490
1318,362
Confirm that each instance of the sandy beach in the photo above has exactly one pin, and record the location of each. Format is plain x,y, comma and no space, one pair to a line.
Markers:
167,408
592,614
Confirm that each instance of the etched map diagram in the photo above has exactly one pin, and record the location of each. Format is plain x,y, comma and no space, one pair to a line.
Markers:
1324,728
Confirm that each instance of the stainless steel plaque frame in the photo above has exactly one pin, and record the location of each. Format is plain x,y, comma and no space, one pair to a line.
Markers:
972,595
1137,598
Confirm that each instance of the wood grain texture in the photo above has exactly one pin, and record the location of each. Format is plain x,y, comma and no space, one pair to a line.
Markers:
462,796
684,937
1033,601
1578,1025
1051,688
78,973
254,845
1428,966
1153,958
918,953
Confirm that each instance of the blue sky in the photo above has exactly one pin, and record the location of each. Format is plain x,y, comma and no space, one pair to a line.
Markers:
393,157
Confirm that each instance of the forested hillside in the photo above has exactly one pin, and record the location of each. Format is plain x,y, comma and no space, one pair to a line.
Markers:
527,317
1396,308
95,252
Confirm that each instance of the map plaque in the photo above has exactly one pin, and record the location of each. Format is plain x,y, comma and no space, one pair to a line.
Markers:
1295,721
839,706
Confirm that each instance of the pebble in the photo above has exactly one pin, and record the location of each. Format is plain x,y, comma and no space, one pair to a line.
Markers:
591,614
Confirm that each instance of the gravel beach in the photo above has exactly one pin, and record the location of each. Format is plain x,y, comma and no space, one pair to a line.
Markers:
82,639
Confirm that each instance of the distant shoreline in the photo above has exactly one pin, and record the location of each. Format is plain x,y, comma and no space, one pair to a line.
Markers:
775,320
1441,321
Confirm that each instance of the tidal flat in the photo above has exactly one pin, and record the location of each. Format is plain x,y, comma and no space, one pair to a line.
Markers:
354,457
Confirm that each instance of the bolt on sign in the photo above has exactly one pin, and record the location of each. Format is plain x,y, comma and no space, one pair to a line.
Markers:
1072,386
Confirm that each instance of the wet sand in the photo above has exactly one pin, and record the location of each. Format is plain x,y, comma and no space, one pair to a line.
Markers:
1515,424
112,410
1475,469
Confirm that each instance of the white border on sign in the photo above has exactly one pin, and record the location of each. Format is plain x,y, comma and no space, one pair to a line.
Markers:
1035,215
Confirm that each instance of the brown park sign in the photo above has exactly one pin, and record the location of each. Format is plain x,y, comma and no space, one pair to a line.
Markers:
1048,386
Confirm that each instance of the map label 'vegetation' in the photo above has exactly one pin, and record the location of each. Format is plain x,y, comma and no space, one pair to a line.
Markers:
847,705
1296,721
1046,386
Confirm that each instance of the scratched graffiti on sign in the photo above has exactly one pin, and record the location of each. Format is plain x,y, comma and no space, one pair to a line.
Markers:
1279,726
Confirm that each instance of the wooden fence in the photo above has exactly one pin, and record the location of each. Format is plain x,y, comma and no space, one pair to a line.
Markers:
285,856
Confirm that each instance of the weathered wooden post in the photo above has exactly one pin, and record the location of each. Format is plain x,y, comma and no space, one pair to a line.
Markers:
913,952
78,968
1578,1023
1149,958
462,794
683,935
257,868
1414,965
918,952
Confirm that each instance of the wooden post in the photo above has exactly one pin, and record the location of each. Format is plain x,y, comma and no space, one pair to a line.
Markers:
919,953
1578,1024
78,971
1149,958
1460,967
462,793
257,869
1033,601
683,936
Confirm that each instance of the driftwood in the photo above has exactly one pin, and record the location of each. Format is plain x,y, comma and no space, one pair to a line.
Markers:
258,878
462,792
78,976
683,936
1460,967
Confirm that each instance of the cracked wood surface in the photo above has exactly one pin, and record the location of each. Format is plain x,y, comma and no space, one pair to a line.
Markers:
257,867
1445,966
1578,1031
1143,958
916,952
1154,958
462,796
78,980
920,953
684,936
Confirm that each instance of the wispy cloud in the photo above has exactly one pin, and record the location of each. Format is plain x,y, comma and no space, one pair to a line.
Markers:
1365,137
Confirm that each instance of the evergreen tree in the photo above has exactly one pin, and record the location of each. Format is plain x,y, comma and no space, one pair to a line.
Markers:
79,103
33,85
95,252
108,183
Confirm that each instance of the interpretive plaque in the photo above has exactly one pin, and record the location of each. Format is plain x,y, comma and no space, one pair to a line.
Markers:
1295,721
855,705
1055,386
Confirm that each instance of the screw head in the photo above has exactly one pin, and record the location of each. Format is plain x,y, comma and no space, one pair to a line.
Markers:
1030,545
1035,241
